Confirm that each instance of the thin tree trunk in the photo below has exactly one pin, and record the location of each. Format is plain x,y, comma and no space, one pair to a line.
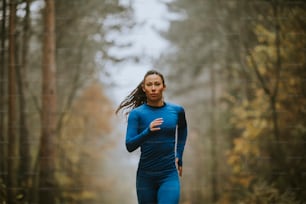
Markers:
12,113
213,139
3,146
77,83
276,152
47,184
278,67
272,90
213,136
24,136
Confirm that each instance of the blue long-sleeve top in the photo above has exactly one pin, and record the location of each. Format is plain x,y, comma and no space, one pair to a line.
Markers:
157,147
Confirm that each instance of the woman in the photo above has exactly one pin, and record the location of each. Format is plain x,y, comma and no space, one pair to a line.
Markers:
153,125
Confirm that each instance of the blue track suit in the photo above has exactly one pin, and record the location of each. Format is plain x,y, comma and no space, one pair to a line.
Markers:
157,177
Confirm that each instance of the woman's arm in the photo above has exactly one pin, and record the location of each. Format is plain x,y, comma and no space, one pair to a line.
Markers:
181,136
134,139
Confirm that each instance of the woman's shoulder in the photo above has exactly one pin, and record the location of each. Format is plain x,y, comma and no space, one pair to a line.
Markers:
175,106
138,109
135,112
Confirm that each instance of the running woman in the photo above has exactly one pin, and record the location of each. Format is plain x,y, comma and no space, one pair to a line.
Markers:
153,125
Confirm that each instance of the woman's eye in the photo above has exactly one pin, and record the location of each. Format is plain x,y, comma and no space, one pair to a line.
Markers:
155,84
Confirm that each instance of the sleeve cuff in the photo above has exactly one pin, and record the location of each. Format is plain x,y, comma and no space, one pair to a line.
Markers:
180,162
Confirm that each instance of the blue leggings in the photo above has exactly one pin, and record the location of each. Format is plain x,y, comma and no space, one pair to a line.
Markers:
158,188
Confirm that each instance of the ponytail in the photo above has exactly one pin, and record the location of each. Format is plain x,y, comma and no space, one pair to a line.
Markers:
136,98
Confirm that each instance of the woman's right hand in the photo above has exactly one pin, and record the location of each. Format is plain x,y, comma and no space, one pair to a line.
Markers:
155,123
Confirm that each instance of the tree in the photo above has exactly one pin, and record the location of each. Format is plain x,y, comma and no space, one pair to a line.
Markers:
81,39
12,110
47,183
197,48
251,48
3,92
268,123
24,147
85,140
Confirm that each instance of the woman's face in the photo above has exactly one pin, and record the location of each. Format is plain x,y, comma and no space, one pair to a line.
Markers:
153,87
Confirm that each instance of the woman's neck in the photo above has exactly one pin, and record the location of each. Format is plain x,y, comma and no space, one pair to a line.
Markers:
156,104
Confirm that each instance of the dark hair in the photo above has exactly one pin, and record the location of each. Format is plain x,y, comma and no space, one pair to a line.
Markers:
137,97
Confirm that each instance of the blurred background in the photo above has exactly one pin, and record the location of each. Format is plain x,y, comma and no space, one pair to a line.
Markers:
237,66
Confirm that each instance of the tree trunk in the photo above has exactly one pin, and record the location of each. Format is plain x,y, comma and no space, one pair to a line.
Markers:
213,135
278,67
2,95
24,136
12,113
47,184
213,139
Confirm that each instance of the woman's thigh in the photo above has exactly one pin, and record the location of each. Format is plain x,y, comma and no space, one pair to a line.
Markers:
169,190
146,190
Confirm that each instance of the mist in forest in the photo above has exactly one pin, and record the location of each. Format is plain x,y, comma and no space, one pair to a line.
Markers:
237,67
